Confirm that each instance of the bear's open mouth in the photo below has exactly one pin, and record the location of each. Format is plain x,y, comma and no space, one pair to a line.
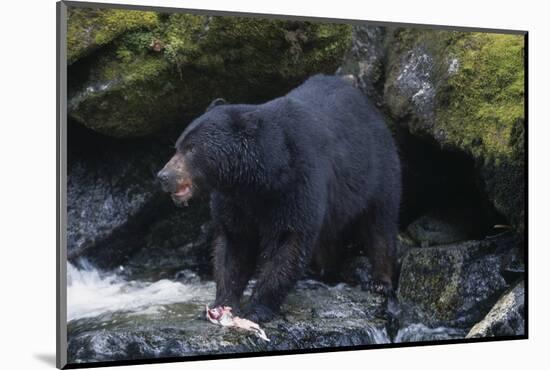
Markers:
183,192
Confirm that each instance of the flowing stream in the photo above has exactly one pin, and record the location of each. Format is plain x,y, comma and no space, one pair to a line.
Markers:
92,293
110,316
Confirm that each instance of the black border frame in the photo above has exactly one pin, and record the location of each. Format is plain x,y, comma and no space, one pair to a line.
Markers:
61,173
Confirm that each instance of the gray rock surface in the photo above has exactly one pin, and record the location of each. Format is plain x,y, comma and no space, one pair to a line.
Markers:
314,316
444,226
364,60
506,318
116,209
106,195
413,88
451,285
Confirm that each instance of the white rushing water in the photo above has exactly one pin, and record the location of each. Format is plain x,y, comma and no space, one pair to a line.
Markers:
91,293
419,332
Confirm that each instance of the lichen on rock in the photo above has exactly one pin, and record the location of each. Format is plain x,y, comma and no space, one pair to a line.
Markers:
452,285
506,318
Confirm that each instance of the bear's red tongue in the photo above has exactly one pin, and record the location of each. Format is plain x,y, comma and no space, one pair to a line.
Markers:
183,190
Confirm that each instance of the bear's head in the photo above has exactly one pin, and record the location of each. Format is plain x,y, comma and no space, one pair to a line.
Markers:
217,150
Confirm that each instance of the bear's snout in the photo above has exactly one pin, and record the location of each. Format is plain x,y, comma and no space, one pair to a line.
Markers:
175,179
166,180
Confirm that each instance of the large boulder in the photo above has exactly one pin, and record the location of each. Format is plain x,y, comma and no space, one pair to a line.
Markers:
106,191
116,211
135,73
179,239
456,284
463,91
365,60
90,28
314,316
506,318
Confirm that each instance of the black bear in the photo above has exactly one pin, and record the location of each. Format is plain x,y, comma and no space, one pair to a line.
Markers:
288,181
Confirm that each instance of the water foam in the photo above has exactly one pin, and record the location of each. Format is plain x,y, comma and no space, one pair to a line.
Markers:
419,332
91,293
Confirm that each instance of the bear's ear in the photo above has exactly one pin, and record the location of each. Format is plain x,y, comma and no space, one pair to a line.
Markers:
215,103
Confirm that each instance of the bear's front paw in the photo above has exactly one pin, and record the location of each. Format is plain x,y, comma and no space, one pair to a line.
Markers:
258,313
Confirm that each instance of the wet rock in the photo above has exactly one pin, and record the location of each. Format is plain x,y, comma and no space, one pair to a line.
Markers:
404,244
453,285
356,270
506,318
129,87
140,229
176,241
444,226
118,214
113,193
314,316
515,264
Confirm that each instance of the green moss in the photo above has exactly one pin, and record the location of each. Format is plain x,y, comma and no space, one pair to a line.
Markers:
181,35
478,107
252,46
115,21
134,69
245,60
482,112
482,107
89,29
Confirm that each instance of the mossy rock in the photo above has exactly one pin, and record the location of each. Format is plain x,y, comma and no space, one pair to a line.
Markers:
88,29
462,90
148,78
452,285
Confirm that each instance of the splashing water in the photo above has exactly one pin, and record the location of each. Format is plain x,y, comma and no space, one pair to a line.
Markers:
91,293
419,332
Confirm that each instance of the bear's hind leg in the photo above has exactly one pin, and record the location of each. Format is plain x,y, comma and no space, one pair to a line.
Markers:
378,231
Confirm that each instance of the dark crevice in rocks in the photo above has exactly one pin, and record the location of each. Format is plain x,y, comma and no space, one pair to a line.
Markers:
434,178
85,143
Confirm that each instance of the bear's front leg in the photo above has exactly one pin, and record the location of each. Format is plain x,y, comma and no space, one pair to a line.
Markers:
281,266
234,263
